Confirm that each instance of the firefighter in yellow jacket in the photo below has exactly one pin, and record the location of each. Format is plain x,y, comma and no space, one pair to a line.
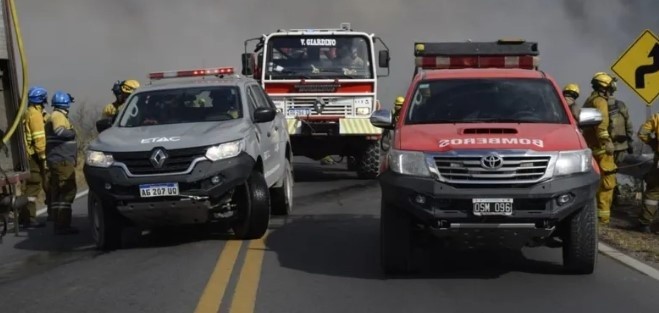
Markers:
35,142
121,90
62,157
600,142
571,94
649,134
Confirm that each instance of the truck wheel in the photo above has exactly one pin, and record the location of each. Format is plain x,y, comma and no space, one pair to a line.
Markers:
369,161
107,224
395,240
580,241
254,208
282,197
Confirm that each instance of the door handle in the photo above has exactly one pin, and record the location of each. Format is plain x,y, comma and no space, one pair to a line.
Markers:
268,134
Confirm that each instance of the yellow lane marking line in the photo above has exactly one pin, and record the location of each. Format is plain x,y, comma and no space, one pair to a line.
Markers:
244,297
211,299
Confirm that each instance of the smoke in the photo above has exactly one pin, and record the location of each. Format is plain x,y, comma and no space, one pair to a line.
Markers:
83,46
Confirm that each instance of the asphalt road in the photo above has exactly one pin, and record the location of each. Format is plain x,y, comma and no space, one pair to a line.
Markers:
323,258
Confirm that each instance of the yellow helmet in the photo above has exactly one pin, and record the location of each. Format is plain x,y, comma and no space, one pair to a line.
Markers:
603,80
572,87
129,86
399,101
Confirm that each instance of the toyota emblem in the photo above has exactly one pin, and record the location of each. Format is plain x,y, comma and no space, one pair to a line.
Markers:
158,158
492,161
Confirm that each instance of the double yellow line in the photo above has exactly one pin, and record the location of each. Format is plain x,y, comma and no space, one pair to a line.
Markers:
243,299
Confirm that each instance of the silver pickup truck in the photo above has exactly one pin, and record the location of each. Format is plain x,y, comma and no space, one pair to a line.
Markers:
190,150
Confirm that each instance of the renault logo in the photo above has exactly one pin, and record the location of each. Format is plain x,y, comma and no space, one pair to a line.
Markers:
492,161
158,158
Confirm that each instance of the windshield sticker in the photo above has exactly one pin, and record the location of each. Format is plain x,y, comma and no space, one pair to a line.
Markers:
491,141
322,42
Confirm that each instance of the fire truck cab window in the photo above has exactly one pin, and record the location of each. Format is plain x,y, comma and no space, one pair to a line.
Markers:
318,56
506,100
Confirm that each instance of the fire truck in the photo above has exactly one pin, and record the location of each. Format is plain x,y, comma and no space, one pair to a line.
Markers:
486,154
14,166
325,82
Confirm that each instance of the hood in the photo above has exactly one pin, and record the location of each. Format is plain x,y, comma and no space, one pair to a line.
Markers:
171,136
446,137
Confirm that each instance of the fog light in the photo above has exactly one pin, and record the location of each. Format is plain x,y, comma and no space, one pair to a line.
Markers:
108,186
215,180
563,199
420,199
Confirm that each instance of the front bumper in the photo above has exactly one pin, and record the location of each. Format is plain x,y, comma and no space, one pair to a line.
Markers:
198,194
338,126
447,211
444,203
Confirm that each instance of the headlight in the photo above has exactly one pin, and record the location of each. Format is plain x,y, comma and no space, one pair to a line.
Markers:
98,159
409,163
225,150
363,111
573,162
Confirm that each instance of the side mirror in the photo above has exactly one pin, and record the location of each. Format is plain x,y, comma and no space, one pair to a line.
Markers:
103,124
589,117
383,58
382,119
264,115
247,64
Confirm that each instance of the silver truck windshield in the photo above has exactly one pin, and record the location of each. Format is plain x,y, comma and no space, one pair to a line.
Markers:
183,105
329,57
498,100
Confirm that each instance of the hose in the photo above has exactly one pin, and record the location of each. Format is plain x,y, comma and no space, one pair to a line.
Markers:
21,52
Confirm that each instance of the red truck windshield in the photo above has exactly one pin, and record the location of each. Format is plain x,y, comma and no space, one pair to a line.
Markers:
318,56
497,100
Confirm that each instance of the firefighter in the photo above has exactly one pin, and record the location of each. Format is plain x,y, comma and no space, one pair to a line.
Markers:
571,94
398,104
121,90
62,151
600,142
622,132
648,133
35,144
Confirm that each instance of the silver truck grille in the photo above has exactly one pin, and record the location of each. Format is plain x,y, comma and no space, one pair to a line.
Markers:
504,169
327,106
178,160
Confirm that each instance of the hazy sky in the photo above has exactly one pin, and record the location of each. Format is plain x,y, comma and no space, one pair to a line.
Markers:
83,46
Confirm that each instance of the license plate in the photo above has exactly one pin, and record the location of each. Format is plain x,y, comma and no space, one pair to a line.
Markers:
299,112
159,190
489,207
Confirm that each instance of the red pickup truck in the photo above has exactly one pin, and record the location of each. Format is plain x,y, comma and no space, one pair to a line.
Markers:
485,153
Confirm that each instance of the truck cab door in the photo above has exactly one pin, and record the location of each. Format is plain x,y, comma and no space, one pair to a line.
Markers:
267,134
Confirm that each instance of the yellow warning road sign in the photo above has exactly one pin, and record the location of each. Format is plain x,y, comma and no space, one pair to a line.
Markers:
638,66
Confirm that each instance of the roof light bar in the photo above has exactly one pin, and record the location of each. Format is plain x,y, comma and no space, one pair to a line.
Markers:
504,53
192,73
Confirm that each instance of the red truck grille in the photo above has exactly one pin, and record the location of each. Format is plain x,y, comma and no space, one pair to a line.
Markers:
513,169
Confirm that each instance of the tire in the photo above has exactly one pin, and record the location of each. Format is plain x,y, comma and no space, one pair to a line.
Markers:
106,223
254,208
580,241
369,162
395,241
282,197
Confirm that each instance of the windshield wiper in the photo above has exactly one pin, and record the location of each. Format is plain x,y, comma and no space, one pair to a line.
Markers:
436,122
288,75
